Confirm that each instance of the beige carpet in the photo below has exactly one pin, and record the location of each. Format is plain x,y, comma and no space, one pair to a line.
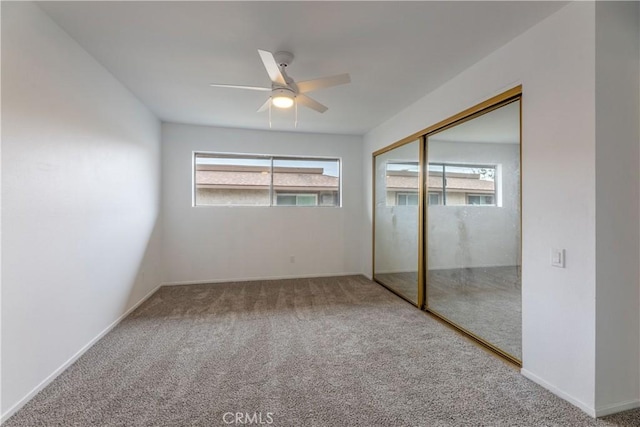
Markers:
315,352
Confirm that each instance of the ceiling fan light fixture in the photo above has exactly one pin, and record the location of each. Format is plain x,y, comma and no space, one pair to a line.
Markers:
282,98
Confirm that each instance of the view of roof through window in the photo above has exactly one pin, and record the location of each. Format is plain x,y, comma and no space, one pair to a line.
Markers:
330,167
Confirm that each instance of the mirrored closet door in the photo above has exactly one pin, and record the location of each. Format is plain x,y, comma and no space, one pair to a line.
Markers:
397,222
473,227
447,221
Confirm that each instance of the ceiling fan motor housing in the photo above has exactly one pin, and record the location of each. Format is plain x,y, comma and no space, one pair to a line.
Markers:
283,59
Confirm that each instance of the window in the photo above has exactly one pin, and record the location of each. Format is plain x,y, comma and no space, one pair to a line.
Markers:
407,199
434,199
222,179
297,199
462,185
479,199
329,199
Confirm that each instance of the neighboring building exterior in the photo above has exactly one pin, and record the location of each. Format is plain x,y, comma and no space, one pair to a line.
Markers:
249,186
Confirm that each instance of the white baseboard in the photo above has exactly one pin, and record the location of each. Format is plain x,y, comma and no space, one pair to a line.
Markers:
15,408
617,407
253,279
595,413
553,389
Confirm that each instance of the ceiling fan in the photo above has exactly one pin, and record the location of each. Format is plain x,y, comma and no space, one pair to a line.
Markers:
285,92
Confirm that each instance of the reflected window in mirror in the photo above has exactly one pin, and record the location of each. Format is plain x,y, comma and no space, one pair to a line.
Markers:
464,185
403,182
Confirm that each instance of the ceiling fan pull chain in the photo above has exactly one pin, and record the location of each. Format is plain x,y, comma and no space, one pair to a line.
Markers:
269,115
295,123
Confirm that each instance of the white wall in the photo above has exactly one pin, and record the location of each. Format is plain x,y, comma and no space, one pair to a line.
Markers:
219,243
617,187
555,63
80,186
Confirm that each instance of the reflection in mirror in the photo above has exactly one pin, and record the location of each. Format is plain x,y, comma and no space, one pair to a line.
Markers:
473,233
397,184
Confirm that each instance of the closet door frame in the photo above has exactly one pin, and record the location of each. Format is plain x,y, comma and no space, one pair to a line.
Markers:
512,95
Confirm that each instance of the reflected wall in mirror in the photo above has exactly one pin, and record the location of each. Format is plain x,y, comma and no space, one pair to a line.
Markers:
473,231
396,198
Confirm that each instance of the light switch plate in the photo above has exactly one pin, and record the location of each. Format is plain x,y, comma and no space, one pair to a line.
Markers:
557,258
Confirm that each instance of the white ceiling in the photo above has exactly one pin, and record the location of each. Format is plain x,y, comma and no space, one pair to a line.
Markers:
167,53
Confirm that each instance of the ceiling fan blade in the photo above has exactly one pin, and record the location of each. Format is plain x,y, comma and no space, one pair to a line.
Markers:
264,89
311,85
310,103
272,67
265,106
